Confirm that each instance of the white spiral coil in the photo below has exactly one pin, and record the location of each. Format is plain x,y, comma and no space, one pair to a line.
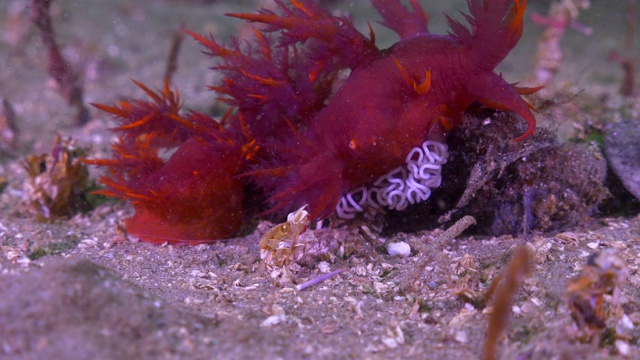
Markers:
401,186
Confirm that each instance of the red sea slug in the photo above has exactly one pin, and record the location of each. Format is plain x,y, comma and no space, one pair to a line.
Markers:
191,197
301,133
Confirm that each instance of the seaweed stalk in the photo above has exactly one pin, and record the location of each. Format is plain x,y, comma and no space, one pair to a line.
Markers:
69,82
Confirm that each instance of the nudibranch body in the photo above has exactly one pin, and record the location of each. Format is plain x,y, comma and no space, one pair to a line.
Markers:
396,99
301,133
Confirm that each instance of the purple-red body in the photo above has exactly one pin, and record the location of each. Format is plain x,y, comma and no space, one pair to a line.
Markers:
395,99
299,139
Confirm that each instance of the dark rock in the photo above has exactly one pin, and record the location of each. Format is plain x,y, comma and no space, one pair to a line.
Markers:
512,187
622,148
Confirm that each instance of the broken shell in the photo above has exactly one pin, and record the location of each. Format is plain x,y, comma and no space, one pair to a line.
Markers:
399,249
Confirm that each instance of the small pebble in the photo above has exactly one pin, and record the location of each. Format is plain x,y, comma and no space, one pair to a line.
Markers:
274,320
324,267
461,337
622,347
391,343
626,322
399,249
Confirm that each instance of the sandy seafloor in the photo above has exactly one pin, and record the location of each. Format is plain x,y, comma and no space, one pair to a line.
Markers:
99,295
